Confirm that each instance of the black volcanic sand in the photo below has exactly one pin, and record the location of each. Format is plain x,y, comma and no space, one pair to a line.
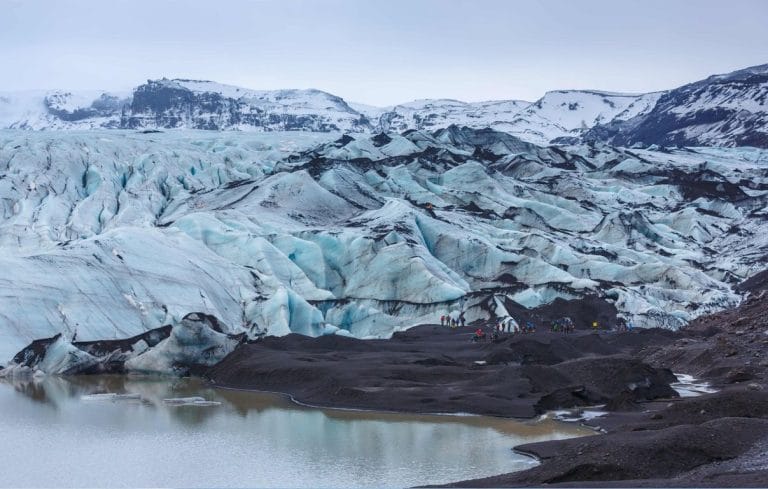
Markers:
652,436
434,369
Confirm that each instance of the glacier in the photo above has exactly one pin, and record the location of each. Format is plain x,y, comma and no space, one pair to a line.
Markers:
110,234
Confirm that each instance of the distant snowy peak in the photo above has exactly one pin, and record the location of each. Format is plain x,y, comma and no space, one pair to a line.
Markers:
430,114
74,107
178,103
738,75
564,115
559,116
721,110
59,109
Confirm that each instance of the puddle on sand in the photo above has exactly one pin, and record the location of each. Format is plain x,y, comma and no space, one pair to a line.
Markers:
578,415
688,386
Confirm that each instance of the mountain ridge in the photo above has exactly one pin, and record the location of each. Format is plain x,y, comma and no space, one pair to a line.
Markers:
720,110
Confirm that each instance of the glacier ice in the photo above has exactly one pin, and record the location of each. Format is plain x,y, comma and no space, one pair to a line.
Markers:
190,401
106,235
111,397
196,341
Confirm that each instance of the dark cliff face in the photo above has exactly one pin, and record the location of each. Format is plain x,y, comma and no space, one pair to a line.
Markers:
158,104
158,97
730,110
168,104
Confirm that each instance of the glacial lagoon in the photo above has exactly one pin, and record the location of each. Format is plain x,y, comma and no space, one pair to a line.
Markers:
115,431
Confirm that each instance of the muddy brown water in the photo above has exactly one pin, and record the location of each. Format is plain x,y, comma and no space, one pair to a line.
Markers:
64,432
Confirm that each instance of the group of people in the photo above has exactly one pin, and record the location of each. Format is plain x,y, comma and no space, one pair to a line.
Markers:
453,321
504,325
624,326
509,325
563,325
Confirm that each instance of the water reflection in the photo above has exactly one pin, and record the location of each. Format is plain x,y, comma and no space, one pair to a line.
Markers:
52,436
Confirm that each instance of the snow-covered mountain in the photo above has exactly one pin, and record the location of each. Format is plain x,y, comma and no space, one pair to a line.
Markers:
431,114
558,117
185,104
564,116
561,116
207,105
110,234
722,110
57,109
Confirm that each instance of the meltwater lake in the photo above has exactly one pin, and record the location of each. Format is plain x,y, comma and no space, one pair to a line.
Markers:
118,431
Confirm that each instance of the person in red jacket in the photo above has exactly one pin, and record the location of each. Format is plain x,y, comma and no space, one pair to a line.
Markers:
479,335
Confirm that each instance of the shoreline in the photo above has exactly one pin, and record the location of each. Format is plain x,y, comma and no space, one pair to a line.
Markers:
295,401
595,431
346,374
290,398
650,436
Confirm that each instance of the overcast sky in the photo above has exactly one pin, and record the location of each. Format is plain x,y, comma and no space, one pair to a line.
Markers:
381,51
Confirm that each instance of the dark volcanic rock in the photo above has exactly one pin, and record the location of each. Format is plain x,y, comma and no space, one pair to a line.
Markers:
104,347
756,283
597,380
726,347
35,352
